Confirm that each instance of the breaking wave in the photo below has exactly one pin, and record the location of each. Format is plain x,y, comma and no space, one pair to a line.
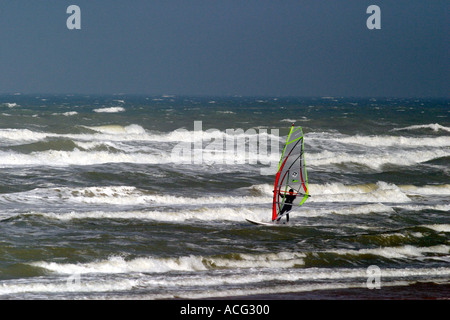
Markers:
283,260
432,126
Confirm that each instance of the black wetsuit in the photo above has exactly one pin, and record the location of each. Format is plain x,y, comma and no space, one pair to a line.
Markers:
288,199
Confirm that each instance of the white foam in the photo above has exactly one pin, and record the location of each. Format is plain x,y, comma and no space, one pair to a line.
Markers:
215,276
433,126
272,290
226,112
213,212
304,280
125,195
402,252
426,190
294,120
388,141
361,199
67,114
420,207
182,135
133,134
223,284
50,286
118,129
278,260
22,135
439,227
235,214
11,104
180,215
91,156
375,161
338,192
363,209
110,110
117,264
106,135
197,276
76,157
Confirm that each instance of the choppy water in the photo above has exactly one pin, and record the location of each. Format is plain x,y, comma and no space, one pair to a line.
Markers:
95,203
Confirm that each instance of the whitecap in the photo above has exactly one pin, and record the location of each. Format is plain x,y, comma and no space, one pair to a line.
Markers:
109,110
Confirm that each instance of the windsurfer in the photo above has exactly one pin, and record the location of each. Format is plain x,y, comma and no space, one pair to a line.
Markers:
288,200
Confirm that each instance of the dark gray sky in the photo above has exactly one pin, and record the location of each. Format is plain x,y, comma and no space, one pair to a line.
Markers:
226,47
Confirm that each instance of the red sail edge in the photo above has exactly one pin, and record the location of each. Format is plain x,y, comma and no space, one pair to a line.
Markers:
276,192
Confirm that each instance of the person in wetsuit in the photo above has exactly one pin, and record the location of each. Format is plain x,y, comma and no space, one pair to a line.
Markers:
288,200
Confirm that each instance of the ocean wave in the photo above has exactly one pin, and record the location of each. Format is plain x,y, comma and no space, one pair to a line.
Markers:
128,195
182,135
92,151
128,144
354,199
402,252
134,132
409,149
373,192
390,141
171,215
374,161
420,207
443,189
118,129
118,264
76,157
22,135
205,212
209,213
439,227
11,104
69,284
380,192
280,260
125,154
229,282
337,192
432,126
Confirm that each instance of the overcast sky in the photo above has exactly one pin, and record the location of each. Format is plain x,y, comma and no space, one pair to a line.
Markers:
226,47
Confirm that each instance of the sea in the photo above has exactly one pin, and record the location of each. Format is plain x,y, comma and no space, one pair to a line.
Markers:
146,197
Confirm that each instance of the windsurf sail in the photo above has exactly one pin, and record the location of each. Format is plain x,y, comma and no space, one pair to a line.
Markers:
291,172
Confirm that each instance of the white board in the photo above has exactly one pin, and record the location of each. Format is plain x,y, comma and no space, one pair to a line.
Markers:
262,223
